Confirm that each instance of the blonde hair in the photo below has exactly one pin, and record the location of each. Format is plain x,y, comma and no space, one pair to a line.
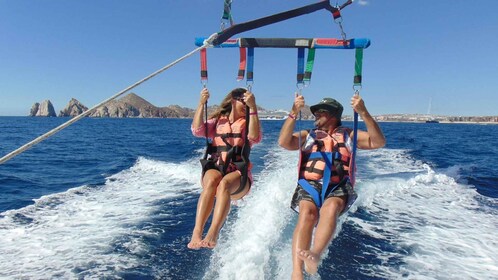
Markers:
225,107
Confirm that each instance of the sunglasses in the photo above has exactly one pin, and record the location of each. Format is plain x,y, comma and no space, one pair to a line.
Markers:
239,96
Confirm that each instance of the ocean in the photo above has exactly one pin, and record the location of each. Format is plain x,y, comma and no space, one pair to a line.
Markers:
116,199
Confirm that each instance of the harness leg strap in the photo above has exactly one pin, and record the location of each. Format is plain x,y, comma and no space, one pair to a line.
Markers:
311,190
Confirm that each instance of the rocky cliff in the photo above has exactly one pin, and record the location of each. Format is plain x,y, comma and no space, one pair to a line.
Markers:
134,106
45,109
73,109
130,106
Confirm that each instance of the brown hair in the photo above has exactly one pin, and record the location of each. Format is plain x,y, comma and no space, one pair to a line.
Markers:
225,107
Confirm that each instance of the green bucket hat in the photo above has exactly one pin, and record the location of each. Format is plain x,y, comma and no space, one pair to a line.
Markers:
330,105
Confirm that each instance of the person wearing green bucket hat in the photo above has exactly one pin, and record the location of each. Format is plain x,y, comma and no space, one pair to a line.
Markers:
330,105
325,186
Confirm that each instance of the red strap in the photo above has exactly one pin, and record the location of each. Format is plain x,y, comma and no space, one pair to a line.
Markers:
204,72
242,64
331,42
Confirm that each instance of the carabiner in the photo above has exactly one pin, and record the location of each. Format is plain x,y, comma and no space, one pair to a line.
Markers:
300,87
357,89
249,85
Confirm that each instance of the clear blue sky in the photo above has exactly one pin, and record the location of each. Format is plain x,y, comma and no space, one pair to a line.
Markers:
90,50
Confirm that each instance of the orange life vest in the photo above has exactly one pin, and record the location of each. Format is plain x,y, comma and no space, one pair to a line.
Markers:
313,163
324,158
229,149
229,140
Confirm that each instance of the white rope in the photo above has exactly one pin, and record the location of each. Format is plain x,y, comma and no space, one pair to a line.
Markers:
37,140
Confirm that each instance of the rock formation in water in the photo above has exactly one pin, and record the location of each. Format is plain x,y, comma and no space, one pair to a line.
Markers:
73,109
34,109
45,109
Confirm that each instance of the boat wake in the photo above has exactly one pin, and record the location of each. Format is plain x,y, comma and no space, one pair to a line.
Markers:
409,221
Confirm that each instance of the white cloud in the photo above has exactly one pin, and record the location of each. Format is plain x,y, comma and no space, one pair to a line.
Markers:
363,2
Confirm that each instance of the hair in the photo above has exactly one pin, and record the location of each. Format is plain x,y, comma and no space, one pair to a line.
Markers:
225,107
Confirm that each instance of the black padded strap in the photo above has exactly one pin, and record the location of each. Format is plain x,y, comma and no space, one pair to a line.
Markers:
249,25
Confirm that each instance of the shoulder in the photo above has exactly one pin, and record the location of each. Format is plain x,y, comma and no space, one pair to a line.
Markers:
343,129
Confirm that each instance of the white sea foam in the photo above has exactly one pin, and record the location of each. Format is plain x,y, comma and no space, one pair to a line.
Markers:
62,234
439,227
257,243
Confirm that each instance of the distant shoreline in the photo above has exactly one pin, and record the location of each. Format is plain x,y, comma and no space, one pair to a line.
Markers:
441,122
275,119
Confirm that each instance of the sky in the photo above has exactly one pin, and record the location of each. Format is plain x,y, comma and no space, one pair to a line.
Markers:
424,54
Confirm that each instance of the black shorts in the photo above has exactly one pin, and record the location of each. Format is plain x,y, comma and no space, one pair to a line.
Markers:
344,189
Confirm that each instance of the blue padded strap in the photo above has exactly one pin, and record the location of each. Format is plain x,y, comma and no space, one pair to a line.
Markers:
300,65
250,65
311,190
315,155
327,157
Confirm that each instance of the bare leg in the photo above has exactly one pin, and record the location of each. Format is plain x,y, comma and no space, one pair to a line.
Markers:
329,213
301,239
205,205
230,183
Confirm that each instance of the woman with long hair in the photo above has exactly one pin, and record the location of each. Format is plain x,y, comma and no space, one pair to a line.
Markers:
226,174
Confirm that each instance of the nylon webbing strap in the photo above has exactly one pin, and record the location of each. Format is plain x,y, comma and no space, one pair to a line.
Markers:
309,65
206,128
246,148
250,65
357,82
204,73
317,43
346,4
227,10
276,42
300,65
227,13
245,26
242,64
358,66
311,191
352,165
327,157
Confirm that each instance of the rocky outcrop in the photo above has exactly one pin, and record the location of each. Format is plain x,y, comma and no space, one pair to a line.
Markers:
34,109
175,111
130,106
116,109
73,109
134,106
45,109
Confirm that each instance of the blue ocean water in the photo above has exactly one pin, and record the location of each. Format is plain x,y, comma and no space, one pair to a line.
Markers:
116,199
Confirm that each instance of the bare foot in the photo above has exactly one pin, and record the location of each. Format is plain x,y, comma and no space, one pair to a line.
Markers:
195,241
209,242
310,260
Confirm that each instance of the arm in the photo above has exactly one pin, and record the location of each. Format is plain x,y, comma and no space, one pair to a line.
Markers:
254,135
287,139
373,138
197,121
